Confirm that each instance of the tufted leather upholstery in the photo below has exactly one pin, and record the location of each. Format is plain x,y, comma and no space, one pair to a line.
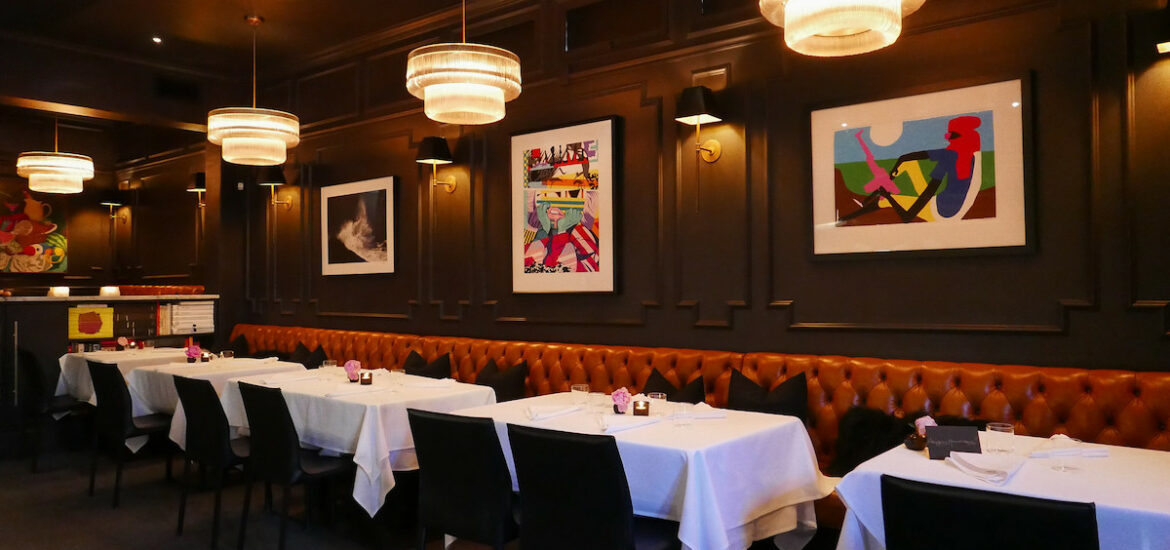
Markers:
156,290
1105,406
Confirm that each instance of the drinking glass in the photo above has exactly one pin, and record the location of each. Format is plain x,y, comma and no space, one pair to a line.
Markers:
580,393
329,363
1061,462
148,344
683,415
397,377
657,403
599,402
227,354
999,437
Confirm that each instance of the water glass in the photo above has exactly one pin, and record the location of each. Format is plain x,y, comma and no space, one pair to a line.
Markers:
1061,461
397,377
599,403
580,394
329,363
999,437
227,354
683,415
148,344
658,405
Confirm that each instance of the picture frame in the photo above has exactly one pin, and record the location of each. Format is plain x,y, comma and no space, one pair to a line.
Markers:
357,227
961,184
564,184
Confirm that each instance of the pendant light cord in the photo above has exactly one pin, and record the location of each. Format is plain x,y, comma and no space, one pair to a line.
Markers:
464,21
253,66
55,132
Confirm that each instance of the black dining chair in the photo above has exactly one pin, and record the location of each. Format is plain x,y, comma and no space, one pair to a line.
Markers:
113,423
925,516
209,443
464,489
37,403
276,454
574,495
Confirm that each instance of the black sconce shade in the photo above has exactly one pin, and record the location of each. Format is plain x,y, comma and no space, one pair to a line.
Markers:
696,105
198,183
270,175
433,150
111,198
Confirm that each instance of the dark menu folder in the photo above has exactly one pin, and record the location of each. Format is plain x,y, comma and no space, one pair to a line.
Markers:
941,440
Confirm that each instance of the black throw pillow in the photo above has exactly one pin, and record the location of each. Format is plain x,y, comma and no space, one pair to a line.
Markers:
417,366
790,397
690,393
863,434
310,360
239,346
508,385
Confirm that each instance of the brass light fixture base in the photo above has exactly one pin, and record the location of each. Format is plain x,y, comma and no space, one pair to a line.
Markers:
711,150
448,184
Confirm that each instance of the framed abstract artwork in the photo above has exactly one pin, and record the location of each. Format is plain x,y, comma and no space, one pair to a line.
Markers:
357,227
562,208
938,171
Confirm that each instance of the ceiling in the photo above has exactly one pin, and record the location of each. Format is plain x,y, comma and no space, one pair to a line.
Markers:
207,35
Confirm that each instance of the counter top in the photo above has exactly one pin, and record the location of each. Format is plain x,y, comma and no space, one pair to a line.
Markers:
100,299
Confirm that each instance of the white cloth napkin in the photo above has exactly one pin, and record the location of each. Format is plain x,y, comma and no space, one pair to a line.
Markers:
288,377
430,383
705,411
995,469
1061,445
613,423
348,389
542,412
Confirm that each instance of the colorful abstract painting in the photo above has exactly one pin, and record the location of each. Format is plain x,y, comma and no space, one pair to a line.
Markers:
357,227
562,209
32,230
930,172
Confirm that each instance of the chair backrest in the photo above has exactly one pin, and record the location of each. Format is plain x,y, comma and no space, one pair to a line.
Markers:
464,485
927,516
275,447
573,490
33,381
112,420
208,435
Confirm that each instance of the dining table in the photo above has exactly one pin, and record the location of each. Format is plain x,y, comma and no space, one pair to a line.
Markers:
75,381
1126,484
367,421
728,477
152,388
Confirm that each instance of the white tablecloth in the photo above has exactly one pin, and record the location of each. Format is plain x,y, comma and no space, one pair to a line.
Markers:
1129,489
152,389
727,481
75,381
371,425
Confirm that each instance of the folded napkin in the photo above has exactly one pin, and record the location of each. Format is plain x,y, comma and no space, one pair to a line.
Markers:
288,377
704,411
350,389
995,469
423,382
541,412
1061,445
613,423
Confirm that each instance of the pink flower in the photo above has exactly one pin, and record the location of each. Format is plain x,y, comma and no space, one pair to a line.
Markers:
621,399
122,341
194,351
351,369
922,422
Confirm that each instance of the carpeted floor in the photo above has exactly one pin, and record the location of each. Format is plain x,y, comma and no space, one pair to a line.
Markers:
50,510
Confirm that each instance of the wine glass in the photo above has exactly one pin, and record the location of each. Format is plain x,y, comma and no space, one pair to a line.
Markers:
1063,449
999,437
657,403
580,393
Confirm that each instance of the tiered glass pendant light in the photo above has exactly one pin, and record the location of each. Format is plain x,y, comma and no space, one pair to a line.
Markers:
54,172
463,83
835,28
252,136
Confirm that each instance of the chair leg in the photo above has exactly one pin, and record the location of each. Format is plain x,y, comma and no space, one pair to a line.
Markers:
170,455
219,473
422,535
186,480
35,443
118,479
284,516
268,496
247,500
93,467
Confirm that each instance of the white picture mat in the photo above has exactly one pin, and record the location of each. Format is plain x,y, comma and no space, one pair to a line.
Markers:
358,268
598,281
1007,228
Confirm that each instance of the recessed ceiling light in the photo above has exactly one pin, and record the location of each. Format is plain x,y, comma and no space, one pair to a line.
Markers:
156,39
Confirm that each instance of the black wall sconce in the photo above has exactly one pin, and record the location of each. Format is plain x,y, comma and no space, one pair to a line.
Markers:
198,185
433,150
112,201
696,107
272,177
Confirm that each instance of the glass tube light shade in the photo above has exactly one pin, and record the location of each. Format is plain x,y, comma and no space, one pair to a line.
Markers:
253,137
54,172
837,28
464,84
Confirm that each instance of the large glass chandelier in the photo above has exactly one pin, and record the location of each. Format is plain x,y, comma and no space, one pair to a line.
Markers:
835,28
463,83
252,136
54,172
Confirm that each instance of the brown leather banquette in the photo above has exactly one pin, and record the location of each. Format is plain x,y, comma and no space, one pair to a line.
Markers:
159,290
1106,406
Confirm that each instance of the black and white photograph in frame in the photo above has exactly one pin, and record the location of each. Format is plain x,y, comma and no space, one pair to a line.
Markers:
357,227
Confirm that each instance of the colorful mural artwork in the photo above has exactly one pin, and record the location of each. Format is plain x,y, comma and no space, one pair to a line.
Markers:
562,201
32,231
931,172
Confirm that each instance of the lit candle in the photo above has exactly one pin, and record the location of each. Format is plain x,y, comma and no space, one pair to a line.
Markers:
641,408
367,378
